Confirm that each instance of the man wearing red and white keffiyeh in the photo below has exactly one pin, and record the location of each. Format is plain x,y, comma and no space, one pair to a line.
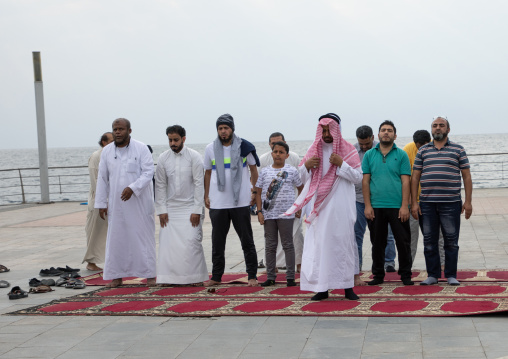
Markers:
330,169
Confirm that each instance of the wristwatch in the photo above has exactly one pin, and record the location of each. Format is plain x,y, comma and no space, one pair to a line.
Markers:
258,212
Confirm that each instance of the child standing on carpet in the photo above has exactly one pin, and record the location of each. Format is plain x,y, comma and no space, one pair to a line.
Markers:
275,194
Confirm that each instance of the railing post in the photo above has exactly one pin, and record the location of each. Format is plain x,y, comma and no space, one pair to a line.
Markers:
22,188
60,184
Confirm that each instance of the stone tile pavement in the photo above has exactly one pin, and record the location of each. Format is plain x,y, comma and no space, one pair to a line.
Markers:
33,237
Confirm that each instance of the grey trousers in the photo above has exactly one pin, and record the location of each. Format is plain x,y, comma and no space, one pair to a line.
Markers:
283,227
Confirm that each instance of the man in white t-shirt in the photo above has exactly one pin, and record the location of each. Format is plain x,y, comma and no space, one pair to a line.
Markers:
228,195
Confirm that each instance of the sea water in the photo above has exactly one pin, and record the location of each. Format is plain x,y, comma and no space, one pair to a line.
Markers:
488,155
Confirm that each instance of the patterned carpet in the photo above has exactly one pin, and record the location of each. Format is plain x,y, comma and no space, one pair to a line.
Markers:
389,299
466,275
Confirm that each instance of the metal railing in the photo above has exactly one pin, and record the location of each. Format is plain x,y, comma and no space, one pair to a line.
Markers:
21,185
24,183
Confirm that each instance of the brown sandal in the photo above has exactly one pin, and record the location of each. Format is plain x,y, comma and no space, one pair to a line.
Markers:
41,289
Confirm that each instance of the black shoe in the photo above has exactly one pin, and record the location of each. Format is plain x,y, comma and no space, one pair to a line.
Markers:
320,296
67,269
376,281
349,294
51,272
70,275
34,282
48,282
291,283
407,281
61,282
390,269
267,283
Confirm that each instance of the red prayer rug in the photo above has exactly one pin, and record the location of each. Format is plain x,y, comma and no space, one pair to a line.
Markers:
388,299
464,275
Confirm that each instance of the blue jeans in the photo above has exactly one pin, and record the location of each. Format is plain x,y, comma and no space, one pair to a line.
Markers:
446,216
390,252
361,226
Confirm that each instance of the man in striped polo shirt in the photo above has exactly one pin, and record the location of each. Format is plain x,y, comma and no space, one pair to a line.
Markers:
437,168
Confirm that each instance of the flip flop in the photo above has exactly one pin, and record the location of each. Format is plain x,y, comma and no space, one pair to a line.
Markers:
4,284
41,289
17,293
4,269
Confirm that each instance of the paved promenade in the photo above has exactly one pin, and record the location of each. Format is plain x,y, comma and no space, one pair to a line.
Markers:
34,237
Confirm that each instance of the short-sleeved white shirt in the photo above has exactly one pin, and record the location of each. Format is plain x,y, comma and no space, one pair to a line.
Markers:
279,183
221,200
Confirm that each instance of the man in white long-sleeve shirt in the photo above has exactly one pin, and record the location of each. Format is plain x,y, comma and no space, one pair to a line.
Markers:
179,203
124,194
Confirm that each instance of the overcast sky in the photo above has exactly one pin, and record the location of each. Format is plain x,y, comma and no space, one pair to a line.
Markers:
273,65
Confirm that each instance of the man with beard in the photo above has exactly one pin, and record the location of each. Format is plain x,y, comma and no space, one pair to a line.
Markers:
96,229
179,203
330,254
365,138
386,177
438,167
125,196
228,195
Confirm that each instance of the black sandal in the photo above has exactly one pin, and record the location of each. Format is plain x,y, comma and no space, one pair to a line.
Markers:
17,293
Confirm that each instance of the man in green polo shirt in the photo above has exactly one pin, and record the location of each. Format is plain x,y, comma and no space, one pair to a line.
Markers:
386,188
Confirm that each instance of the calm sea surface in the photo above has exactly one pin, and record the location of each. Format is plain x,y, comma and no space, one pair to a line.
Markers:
72,184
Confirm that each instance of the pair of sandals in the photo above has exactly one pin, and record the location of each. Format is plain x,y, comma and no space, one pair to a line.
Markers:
17,293
70,283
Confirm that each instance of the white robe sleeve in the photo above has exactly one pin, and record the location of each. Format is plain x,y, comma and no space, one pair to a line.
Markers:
199,184
304,174
102,190
146,163
353,175
161,187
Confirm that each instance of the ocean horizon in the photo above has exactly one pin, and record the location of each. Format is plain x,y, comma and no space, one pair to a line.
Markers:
488,171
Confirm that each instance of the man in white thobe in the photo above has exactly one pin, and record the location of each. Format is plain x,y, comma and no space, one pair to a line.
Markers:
330,254
179,203
294,160
96,229
125,196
